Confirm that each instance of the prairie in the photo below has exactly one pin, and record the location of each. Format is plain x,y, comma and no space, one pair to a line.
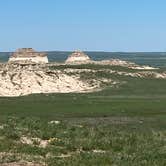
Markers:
123,124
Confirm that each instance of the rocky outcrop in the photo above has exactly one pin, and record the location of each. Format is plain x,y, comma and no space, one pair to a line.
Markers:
28,55
78,57
19,80
118,62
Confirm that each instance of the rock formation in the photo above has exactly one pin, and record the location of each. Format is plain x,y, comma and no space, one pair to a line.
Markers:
78,57
122,63
23,79
28,55
18,79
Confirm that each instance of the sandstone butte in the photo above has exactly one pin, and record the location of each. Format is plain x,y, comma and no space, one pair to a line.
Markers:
28,55
29,72
78,57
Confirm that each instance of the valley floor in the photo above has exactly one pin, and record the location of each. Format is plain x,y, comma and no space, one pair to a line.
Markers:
123,124
83,130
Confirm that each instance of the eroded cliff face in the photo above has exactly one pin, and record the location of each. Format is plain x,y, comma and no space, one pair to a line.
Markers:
19,80
78,57
28,55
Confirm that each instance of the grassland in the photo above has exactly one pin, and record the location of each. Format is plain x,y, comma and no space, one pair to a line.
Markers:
120,126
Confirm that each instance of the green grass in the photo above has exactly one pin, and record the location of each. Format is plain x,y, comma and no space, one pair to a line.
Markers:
130,142
126,122
101,67
135,97
67,106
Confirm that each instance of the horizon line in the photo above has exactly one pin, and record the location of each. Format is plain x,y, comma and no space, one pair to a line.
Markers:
92,51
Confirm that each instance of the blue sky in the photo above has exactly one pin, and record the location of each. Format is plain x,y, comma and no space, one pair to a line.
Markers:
96,25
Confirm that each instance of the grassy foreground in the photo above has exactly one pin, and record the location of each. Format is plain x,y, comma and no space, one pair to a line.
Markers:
88,141
119,126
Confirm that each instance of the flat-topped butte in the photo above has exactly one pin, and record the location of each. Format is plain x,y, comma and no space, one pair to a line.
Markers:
78,57
28,55
29,72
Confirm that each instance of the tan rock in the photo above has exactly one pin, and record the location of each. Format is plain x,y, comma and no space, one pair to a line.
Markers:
28,55
19,80
78,57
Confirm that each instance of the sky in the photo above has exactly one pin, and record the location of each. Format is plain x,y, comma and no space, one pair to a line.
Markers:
89,25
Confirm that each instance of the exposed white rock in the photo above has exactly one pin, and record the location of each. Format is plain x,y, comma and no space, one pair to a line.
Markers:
143,67
34,141
56,122
78,57
118,62
18,79
22,163
115,62
28,55
30,59
98,151
23,80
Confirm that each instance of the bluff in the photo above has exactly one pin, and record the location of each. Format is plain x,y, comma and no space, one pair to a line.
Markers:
28,55
78,57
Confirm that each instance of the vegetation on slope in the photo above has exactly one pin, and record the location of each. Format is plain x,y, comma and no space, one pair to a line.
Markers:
121,125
